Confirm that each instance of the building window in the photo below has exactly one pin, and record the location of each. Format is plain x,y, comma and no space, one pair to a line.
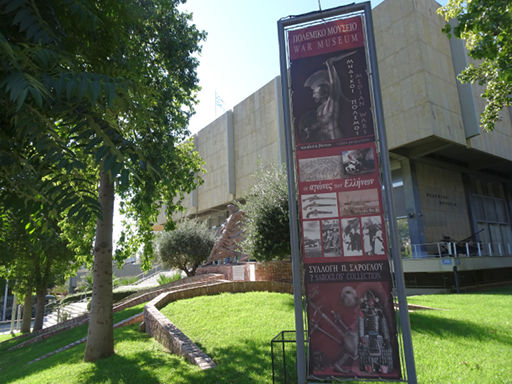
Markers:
494,229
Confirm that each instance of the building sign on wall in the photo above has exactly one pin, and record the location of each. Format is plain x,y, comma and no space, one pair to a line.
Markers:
352,331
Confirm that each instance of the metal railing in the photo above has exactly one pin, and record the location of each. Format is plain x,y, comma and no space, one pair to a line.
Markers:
456,249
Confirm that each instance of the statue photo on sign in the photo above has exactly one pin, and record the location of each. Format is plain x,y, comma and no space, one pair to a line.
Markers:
324,122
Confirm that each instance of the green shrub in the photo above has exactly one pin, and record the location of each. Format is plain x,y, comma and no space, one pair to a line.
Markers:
85,284
59,290
164,279
129,280
186,247
267,216
75,297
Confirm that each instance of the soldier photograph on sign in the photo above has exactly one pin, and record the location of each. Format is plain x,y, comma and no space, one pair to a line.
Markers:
331,238
312,239
358,161
352,245
373,238
331,99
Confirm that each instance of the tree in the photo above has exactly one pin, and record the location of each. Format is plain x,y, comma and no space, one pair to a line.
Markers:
486,26
267,216
99,93
186,247
36,253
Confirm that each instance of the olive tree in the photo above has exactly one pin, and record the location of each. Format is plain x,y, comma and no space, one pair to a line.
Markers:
185,247
267,216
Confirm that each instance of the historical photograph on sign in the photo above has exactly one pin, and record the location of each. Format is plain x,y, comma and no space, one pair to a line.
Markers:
331,238
312,239
373,240
322,205
358,161
320,168
351,237
360,202
352,329
330,97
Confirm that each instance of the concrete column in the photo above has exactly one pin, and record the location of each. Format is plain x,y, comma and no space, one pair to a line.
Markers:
194,195
465,91
470,202
230,153
281,143
413,204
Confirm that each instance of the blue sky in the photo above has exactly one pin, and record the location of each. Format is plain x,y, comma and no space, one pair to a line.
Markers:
241,52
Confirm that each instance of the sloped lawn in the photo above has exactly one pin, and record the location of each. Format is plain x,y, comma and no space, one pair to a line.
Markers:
469,340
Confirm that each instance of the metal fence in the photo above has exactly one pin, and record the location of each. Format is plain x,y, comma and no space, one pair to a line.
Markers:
456,249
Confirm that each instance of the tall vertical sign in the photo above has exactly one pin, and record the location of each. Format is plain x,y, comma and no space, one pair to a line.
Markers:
351,322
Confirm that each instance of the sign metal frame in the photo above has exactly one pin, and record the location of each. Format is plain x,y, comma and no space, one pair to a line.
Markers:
284,26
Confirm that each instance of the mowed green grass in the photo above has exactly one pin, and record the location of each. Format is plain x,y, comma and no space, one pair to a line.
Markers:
235,330
469,340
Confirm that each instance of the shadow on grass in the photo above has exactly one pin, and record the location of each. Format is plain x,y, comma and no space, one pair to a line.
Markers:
248,363
442,327
120,369
12,341
505,290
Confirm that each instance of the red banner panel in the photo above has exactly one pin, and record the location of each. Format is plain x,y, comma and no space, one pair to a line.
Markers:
324,38
352,332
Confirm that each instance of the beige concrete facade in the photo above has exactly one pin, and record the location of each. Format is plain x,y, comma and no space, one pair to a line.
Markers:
234,147
418,82
446,167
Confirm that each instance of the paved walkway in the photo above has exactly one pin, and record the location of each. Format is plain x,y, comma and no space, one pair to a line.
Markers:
79,308
73,310
150,281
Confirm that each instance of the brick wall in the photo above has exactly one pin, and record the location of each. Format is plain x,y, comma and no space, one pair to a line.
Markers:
274,271
224,269
263,271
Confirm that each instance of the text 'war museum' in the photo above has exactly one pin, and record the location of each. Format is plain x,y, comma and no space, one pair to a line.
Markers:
452,187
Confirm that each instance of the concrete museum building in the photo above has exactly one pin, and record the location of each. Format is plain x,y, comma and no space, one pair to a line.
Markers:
452,182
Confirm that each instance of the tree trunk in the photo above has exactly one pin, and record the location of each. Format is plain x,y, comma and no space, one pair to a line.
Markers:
40,302
41,286
100,336
27,312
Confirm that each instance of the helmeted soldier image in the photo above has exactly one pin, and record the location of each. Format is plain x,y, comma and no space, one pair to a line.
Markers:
326,90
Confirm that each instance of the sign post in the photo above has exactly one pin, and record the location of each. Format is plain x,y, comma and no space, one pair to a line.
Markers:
336,147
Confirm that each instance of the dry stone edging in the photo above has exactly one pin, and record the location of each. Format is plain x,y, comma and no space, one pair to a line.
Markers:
166,333
151,293
53,330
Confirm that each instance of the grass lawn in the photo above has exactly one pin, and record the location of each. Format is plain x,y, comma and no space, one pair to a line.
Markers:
468,341
8,336
235,330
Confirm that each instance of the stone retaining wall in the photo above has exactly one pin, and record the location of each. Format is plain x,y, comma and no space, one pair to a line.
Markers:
166,333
